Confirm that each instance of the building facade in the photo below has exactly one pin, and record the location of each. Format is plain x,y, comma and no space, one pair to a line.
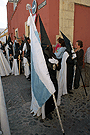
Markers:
69,16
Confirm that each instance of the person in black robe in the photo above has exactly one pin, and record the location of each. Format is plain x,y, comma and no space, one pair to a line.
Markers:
27,54
70,73
48,53
18,53
10,53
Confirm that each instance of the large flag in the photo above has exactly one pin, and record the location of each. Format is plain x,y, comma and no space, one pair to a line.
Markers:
41,84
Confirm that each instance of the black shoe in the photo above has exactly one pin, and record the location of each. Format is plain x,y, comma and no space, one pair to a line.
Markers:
69,92
49,116
75,87
85,86
28,78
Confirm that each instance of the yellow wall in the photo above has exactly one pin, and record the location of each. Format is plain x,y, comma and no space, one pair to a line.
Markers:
66,16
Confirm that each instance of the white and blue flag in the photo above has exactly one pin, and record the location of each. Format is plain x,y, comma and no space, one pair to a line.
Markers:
41,85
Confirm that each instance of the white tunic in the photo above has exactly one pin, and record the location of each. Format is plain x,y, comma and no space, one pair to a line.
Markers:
25,63
5,69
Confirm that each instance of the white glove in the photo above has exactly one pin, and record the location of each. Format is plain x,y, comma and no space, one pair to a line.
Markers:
54,61
20,51
73,54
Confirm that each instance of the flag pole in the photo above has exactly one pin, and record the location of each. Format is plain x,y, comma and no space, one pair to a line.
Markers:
58,114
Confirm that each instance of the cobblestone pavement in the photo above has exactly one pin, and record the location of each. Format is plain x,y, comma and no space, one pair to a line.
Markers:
74,111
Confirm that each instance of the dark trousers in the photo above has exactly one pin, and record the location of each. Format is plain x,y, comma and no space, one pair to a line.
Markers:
11,62
50,105
77,76
70,72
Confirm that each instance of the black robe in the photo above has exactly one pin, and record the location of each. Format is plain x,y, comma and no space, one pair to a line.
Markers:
48,53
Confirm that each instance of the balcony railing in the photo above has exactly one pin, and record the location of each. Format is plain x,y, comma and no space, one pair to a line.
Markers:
16,1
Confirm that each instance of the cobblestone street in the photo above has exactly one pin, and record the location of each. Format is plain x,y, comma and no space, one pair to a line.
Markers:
74,110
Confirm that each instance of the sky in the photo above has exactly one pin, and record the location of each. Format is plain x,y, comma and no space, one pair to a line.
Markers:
3,14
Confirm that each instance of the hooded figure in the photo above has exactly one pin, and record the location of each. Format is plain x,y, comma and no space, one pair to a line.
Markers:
52,63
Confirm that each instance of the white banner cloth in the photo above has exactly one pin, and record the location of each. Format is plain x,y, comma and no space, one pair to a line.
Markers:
3,112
